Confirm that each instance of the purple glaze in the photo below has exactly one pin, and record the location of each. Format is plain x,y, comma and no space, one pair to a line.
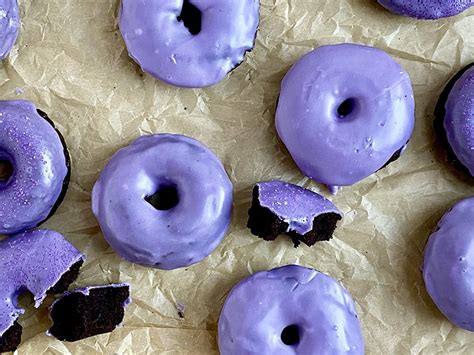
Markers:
86,291
294,205
427,9
336,150
165,49
459,119
448,268
170,239
36,152
259,307
33,261
9,26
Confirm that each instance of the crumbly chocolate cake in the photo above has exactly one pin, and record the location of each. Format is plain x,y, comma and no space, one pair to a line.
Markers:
90,311
283,208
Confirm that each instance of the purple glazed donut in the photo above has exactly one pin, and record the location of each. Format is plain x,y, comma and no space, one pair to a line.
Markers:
448,268
164,201
189,43
9,26
37,163
454,122
289,310
427,9
41,262
343,121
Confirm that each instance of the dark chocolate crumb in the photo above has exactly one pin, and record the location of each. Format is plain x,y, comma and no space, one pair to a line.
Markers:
68,166
11,338
266,225
77,316
67,279
438,123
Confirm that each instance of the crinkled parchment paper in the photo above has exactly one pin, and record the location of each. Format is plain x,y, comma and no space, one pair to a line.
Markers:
70,59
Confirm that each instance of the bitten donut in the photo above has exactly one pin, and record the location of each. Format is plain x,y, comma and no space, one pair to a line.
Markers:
448,268
34,165
454,122
342,122
279,207
41,262
427,9
189,43
9,26
289,310
164,201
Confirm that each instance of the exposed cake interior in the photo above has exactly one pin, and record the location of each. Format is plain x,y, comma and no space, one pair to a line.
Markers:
267,223
10,340
87,312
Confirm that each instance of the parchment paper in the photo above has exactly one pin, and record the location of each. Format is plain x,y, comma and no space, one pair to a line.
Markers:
70,59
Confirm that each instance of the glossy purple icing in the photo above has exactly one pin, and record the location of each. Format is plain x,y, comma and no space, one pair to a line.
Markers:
33,261
9,26
448,268
165,49
459,119
293,204
427,9
259,307
36,152
376,96
170,239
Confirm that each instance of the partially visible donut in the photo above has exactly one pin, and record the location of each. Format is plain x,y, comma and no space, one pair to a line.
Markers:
427,9
454,122
164,201
448,266
9,26
341,119
36,162
40,261
290,310
189,43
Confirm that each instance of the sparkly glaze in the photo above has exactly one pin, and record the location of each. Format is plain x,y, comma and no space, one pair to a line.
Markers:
427,9
33,261
33,147
261,306
170,239
459,119
166,49
377,99
9,26
448,268
293,204
86,291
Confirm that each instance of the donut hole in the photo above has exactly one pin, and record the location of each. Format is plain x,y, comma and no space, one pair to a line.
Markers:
6,171
347,108
291,335
165,198
191,17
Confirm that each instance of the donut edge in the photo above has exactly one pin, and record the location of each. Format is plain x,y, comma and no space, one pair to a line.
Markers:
439,117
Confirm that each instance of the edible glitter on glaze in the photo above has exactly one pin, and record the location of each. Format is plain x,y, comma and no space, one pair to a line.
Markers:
180,236
459,119
296,206
448,268
259,307
427,9
165,48
9,26
342,120
34,149
33,261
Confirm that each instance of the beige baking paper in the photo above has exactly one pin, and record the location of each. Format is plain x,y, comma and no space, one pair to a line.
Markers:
70,59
